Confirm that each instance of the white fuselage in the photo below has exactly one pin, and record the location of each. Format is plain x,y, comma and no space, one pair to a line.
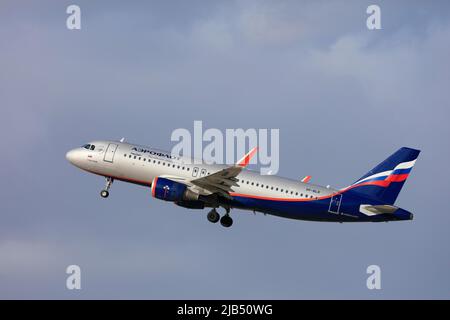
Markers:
195,185
140,165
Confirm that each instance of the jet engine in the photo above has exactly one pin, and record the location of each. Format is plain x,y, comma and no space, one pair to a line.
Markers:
169,190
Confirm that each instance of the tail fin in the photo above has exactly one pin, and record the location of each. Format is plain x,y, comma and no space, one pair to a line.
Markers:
385,181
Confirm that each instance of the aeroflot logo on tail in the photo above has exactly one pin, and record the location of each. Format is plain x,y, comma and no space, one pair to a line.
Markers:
213,146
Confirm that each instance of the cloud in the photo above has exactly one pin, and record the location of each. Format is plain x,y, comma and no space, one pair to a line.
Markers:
342,96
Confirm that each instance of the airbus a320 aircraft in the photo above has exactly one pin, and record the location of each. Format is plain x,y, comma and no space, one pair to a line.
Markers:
171,178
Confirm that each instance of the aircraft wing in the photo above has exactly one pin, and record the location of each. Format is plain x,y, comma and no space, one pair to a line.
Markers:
221,182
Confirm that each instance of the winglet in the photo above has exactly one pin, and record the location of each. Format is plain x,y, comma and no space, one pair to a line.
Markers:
122,140
306,179
246,159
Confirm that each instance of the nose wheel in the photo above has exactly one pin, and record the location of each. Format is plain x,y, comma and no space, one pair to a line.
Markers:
105,192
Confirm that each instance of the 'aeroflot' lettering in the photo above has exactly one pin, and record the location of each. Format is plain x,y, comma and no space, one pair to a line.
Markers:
154,153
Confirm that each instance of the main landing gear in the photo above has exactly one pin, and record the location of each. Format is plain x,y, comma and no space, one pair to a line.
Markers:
105,192
226,221
214,217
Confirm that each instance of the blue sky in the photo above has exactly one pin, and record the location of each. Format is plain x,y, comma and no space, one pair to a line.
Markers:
343,97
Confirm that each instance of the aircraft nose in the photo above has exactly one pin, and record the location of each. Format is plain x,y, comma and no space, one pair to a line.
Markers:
72,156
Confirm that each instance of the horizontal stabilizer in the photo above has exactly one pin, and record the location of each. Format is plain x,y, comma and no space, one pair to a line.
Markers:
370,210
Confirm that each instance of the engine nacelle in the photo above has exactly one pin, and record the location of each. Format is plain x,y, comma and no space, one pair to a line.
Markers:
191,204
169,190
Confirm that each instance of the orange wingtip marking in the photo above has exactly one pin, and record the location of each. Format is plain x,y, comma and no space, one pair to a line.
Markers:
306,179
246,159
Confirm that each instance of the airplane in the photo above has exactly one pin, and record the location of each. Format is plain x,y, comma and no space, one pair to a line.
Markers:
179,180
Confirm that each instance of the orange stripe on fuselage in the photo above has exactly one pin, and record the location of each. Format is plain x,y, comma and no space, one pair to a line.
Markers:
275,199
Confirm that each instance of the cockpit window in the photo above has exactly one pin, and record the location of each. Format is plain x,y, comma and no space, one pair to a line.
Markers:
89,146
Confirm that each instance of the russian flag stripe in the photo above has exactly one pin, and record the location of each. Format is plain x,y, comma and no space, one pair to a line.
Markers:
401,171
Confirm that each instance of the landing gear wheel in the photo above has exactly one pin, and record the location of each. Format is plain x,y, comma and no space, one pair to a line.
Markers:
213,216
226,221
105,192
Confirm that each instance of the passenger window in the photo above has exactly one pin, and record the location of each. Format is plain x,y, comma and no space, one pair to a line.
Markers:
125,155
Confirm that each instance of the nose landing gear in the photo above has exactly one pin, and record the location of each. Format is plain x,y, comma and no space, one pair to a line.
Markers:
105,192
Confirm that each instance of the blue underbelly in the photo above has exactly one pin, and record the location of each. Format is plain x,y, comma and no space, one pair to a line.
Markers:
315,210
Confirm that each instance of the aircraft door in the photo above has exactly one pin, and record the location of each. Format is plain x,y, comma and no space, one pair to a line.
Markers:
110,152
335,203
